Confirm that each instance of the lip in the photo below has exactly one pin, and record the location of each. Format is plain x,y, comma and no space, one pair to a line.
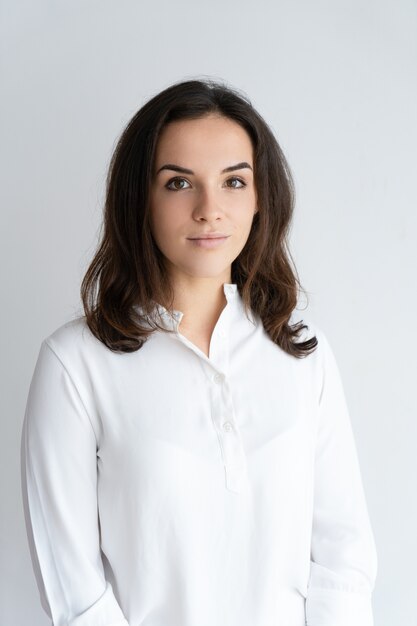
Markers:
209,242
210,236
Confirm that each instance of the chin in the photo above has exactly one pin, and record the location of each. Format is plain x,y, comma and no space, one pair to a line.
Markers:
207,272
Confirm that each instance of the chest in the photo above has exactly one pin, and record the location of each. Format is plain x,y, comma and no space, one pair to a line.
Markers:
168,403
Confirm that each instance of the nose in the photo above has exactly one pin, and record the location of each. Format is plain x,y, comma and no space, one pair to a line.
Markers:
207,206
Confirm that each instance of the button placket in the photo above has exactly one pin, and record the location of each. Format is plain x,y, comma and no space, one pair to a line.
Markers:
217,370
218,378
219,342
230,440
231,443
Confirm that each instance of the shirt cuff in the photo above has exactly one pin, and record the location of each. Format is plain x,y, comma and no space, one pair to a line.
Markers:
331,607
105,612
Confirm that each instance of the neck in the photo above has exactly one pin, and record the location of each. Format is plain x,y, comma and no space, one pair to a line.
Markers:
200,300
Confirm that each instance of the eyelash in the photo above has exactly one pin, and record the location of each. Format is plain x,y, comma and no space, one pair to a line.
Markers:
181,178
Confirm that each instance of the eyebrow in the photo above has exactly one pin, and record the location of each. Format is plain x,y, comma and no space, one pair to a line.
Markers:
184,170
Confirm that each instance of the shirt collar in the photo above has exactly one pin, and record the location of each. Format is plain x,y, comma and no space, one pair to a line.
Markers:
171,321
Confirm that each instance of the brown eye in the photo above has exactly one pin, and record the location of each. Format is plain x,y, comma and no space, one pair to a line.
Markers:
175,180
239,180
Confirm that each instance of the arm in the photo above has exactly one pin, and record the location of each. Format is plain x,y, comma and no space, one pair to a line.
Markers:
343,553
59,489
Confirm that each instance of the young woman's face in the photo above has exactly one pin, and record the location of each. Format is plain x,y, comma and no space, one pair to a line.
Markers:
185,206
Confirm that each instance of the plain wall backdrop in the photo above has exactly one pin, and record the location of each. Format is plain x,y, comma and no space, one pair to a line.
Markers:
336,81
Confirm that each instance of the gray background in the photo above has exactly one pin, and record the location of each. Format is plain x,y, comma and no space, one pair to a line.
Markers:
336,81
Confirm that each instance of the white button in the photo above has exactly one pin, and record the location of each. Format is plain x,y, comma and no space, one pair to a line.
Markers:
228,426
218,378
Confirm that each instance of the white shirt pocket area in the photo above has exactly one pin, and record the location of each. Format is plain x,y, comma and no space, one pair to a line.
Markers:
59,489
343,552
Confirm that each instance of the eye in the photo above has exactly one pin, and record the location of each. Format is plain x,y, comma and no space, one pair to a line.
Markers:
177,179
239,180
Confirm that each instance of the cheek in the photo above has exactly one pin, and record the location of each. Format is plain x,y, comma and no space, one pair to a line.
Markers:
164,226
249,215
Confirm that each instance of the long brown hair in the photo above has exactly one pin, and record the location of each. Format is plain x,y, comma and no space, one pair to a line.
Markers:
127,270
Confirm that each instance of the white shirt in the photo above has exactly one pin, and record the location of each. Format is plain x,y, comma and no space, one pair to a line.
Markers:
167,488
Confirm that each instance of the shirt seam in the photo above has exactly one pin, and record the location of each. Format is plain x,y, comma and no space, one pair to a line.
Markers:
47,343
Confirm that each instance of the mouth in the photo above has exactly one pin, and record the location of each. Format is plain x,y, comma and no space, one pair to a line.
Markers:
209,242
211,236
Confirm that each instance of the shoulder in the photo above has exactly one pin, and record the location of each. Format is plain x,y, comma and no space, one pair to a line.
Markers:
322,357
310,329
73,341
73,331
321,364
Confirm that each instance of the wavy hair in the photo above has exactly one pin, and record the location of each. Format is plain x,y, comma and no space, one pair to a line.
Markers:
126,276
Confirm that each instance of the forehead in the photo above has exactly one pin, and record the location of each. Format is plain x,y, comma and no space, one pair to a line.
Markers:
209,137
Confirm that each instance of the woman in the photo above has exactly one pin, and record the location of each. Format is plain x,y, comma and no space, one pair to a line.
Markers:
188,457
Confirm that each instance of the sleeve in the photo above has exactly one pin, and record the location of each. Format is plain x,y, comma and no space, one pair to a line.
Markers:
343,562
59,490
